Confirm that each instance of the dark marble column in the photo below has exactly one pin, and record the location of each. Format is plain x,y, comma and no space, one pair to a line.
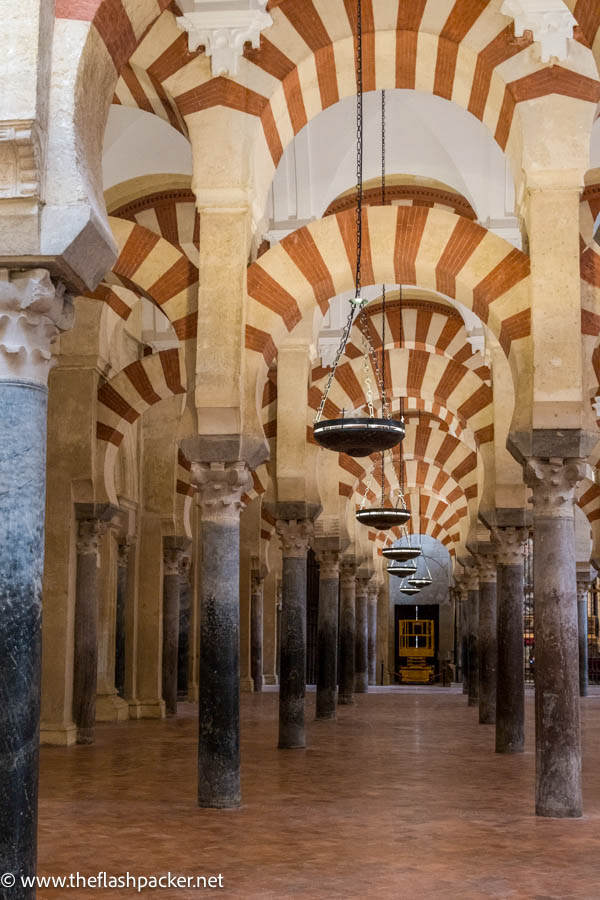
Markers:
295,536
372,617
472,605
32,312
488,648
583,586
463,632
361,637
510,676
220,489
557,733
120,630
347,631
327,633
85,664
172,569
256,630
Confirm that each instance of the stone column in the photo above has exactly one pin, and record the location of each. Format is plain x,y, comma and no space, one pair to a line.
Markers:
361,637
295,536
256,629
220,489
270,629
327,634
558,739
122,588
32,312
383,619
85,667
488,648
172,560
372,619
347,631
109,706
472,606
510,676
583,586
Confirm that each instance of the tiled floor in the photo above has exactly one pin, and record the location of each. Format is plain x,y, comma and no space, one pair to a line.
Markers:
401,798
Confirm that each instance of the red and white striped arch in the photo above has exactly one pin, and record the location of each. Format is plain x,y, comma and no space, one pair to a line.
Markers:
125,397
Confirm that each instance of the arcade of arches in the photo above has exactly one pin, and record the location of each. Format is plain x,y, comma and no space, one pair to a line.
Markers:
177,250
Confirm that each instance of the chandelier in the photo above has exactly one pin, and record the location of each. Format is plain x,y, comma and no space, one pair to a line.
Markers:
360,436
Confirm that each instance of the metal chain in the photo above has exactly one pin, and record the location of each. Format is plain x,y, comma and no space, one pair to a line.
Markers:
340,350
384,406
359,147
366,493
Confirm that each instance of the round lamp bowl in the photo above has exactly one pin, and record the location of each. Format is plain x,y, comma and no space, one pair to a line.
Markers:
358,437
401,553
382,517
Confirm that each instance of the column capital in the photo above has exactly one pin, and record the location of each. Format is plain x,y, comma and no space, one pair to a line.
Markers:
220,489
329,561
89,534
295,536
348,570
470,578
256,581
362,587
33,311
173,560
510,545
223,29
583,587
486,567
554,482
373,591
123,550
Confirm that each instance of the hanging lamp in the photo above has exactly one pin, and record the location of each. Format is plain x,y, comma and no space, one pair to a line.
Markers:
360,436
403,569
407,552
421,581
382,517
409,589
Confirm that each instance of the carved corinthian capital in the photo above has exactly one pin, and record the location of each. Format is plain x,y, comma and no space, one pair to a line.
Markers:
295,536
554,482
32,312
172,561
220,490
486,567
470,579
89,535
510,543
329,562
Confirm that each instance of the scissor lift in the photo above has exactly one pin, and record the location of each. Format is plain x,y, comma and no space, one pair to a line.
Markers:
417,646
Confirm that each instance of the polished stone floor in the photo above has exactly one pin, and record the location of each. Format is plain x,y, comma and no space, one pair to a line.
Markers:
401,798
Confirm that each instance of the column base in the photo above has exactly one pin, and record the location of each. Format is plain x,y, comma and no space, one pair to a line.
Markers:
246,685
345,700
325,716
152,709
473,701
58,735
134,709
258,684
111,708
270,679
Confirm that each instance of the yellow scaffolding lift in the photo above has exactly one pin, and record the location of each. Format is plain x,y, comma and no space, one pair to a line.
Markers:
417,646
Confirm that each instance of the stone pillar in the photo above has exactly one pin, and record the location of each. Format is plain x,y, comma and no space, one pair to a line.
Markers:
372,619
347,631
510,676
488,648
220,489
172,560
383,619
131,631
85,667
270,629
327,634
361,637
122,588
109,706
32,312
256,629
558,739
472,606
295,536
583,586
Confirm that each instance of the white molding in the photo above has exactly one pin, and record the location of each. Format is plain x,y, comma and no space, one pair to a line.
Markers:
223,27
550,22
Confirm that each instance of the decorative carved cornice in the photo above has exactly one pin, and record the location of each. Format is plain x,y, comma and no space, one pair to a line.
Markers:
329,562
295,536
550,22
510,544
554,483
223,28
220,490
20,160
32,312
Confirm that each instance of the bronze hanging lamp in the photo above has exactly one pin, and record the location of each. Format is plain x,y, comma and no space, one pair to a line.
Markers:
424,579
407,551
360,436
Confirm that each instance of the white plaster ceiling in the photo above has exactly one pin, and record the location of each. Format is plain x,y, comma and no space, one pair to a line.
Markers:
139,143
